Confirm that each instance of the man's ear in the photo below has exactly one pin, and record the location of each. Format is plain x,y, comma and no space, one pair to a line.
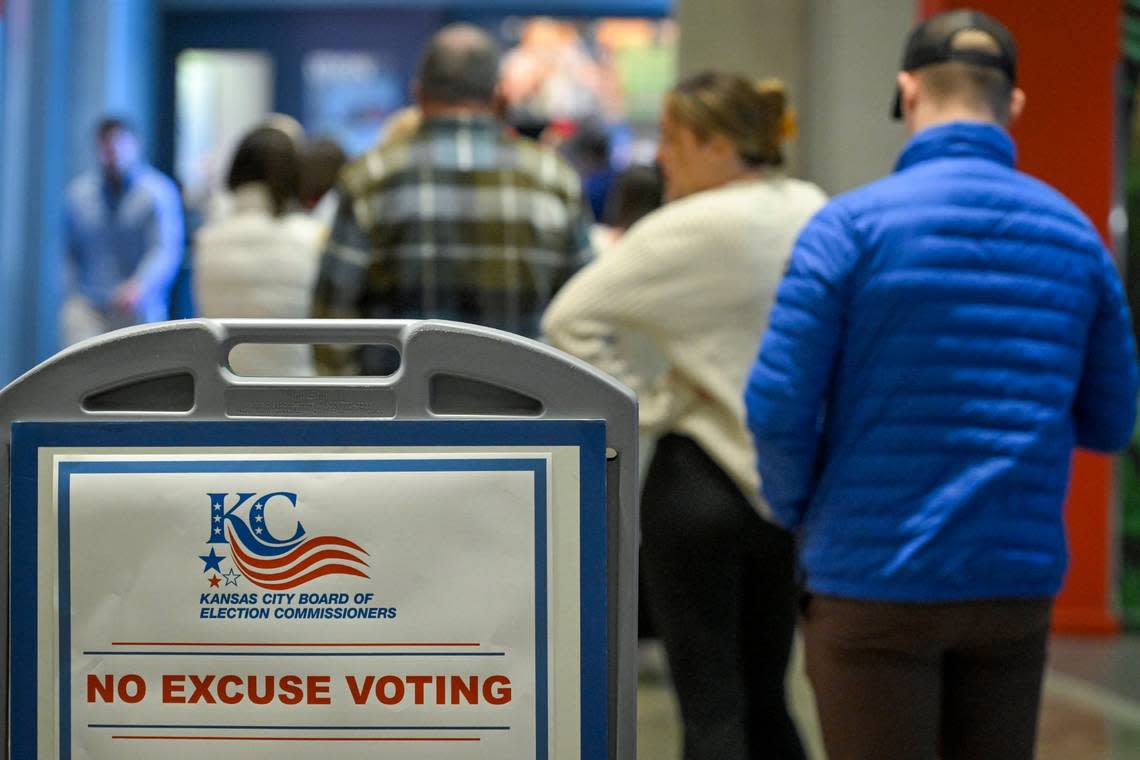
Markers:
908,90
1016,104
499,103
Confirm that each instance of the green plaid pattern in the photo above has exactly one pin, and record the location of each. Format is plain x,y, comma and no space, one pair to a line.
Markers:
461,221
1130,32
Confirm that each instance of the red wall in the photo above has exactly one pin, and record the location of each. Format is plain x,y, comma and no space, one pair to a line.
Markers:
1067,55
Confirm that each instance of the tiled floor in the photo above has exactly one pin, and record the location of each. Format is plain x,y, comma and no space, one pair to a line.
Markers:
1090,711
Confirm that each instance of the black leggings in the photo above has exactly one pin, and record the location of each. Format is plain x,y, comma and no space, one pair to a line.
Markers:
722,592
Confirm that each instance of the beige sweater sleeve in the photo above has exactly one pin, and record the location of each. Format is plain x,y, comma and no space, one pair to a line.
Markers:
619,313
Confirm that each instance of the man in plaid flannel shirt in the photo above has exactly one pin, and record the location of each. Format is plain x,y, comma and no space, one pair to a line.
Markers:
459,221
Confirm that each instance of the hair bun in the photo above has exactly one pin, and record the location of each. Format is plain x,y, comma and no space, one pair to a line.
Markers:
774,95
771,87
789,124
754,115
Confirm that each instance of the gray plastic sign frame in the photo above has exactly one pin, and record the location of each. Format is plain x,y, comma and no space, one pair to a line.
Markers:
176,371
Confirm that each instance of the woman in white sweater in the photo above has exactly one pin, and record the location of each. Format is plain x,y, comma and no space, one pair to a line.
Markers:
676,311
260,260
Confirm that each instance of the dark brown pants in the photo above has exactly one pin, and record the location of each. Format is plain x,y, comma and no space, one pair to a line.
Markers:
921,681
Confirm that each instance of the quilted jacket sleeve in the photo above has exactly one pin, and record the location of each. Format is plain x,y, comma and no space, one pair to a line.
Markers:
1104,409
788,384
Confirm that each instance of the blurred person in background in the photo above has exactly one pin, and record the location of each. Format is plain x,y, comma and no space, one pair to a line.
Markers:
459,221
668,312
181,300
550,76
637,191
288,125
588,150
219,202
260,260
942,340
124,231
321,162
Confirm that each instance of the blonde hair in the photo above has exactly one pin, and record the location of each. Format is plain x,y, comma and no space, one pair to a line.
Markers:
755,116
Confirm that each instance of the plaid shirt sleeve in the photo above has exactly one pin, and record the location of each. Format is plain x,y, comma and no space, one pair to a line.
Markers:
340,283
578,249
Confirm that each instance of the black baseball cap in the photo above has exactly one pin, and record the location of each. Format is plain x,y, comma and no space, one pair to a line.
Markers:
932,42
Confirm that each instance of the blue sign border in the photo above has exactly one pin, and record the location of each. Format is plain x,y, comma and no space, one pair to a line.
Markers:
588,435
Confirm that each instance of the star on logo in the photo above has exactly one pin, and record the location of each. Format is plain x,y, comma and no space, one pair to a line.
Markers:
212,561
231,577
214,581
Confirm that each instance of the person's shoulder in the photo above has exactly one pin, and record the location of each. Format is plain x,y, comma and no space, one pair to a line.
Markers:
741,204
256,231
872,194
1047,200
212,235
158,183
799,189
543,163
783,199
228,229
1062,220
726,219
958,187
304,228
674,224
894,196
83,187
354,175
153,176
374,166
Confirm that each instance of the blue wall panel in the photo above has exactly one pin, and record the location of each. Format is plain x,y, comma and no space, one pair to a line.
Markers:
560,7
287,36
34,165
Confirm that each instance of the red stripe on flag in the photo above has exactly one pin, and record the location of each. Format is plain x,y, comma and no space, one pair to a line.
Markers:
293,554
306,562
293,582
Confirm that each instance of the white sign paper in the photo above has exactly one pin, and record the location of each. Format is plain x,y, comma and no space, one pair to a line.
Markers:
350,606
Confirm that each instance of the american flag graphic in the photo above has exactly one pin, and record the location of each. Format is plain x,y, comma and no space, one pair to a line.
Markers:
279,566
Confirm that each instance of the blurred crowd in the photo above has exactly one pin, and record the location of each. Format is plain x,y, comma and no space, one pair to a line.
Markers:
860,411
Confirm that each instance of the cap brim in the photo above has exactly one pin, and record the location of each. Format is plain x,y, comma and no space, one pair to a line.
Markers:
896,108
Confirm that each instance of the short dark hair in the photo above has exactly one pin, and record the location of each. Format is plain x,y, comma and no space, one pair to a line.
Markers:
109,124
459,65
636,192
589,146
321,162
980,87
267,155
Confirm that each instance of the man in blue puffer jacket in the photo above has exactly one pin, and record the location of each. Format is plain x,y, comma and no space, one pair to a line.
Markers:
942,340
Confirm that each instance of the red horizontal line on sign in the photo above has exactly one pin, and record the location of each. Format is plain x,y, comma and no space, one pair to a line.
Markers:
306,738
293,644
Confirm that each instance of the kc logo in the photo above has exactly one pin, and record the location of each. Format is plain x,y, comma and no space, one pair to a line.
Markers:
264,556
